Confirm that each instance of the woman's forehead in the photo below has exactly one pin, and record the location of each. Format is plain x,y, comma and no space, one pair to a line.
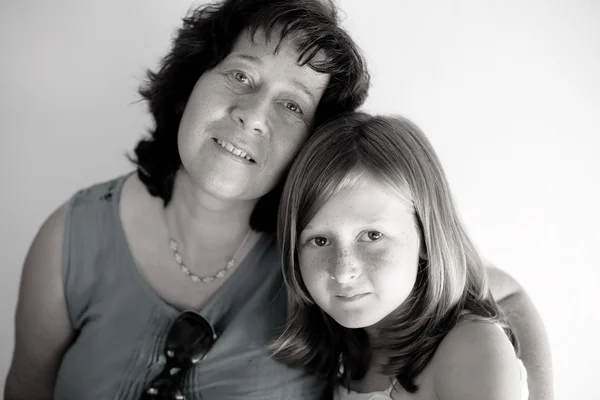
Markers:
272,41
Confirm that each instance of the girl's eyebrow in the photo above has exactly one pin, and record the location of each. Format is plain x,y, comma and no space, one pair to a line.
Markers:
307,229
311,229
375,220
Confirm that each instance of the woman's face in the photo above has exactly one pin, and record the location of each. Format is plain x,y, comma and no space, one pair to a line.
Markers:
246,118
359,255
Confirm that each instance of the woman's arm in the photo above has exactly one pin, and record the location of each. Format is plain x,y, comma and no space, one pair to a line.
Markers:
476,361
527,323
42,327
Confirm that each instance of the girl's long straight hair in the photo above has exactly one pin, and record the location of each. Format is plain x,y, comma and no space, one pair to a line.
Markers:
451,279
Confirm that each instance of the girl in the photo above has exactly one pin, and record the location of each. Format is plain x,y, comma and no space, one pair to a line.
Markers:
387,294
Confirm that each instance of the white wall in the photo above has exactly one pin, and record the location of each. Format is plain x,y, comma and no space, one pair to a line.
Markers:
509,93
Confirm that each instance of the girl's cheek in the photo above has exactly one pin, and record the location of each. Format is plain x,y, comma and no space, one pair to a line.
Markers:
375,260
312,268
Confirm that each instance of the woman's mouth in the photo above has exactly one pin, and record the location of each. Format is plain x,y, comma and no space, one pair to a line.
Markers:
234,150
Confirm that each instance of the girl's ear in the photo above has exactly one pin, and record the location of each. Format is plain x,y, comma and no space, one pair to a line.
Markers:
421,230
423,250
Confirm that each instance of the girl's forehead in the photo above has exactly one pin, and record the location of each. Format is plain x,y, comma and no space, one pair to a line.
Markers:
364,194
358,177
364,204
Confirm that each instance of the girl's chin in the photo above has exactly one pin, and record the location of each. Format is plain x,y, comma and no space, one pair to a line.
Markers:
358,323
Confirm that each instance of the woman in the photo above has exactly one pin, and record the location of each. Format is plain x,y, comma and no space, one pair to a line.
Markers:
110,270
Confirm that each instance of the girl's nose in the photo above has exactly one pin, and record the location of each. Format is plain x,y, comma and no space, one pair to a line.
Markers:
346,267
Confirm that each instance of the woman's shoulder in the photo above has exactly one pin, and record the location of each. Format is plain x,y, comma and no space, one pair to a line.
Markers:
53,227
102,190
476,360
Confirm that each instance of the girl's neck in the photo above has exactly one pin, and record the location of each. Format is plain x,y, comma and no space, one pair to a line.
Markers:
374,380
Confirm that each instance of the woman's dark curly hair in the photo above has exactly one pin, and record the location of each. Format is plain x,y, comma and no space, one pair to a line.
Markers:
205,39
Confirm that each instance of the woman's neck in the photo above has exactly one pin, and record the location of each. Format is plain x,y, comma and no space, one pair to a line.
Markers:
200,222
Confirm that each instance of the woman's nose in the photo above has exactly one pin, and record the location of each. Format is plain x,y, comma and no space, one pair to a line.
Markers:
251,113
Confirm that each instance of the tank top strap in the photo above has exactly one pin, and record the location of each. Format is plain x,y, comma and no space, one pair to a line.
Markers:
91,228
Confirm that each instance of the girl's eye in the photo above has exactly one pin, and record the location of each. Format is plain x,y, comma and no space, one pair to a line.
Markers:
370,236
293,107
241,77
319,241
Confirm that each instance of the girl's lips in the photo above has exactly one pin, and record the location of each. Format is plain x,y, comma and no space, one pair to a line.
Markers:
351,297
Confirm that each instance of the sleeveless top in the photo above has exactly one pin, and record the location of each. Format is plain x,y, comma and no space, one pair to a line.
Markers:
342,393
121,323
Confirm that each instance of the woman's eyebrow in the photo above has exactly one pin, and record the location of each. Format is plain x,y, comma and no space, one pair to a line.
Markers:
246,57
258,61
304,89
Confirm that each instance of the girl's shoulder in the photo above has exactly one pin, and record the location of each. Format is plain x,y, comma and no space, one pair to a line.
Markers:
476,360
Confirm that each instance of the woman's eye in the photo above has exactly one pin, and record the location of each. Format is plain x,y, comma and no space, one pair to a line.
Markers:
241,77
319,241
293,107
370,236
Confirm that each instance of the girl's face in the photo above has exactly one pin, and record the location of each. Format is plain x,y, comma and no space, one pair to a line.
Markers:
359,254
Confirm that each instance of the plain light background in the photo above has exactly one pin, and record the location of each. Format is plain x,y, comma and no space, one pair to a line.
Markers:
508,92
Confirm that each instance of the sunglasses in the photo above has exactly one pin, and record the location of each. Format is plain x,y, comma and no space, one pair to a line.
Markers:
189,338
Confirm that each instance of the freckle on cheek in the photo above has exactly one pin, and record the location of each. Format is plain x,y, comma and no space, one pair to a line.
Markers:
323,268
